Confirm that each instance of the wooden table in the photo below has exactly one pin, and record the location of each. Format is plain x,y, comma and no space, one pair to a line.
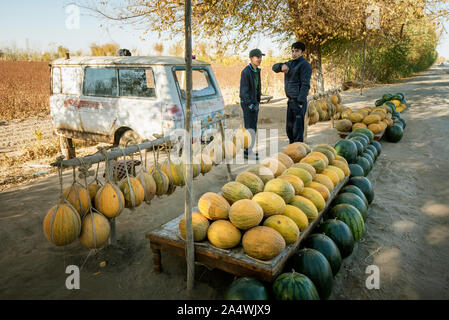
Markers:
233,261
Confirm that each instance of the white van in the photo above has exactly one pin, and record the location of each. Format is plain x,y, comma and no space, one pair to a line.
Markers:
125,100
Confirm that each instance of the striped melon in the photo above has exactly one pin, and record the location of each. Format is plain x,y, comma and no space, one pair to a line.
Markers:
275,166
322,189
294,286
285,159
306,206
234,191
295,181
94,231
304,175
338,171
109,200
315,162
161,180
343,166
314,196
307,167
295,151
262,172
321,156
324,180
282,188
174,172
200,224
253,182
332,175
78,197
62,224
270,202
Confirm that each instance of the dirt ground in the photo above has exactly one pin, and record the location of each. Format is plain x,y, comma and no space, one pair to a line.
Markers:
407,233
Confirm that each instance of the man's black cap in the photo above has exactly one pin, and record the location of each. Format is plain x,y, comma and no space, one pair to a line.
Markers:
256,53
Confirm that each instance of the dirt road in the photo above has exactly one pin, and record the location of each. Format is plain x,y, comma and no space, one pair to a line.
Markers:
407,234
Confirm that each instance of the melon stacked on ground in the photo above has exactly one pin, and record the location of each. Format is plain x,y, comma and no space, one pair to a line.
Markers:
397,103
267,206
324,109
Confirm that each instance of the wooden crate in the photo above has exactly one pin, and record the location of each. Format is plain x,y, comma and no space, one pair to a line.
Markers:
233,261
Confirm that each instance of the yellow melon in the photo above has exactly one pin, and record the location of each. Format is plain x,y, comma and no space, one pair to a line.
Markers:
295,152
285,226
307,167
148,184
78,197
62,224
174,172
372,118
295,181
324,180
263,243
321,156
274,165
200,224
297,216
132,191
262,172
321,188
234,191
284,159
242,138
338,171
332,175
303,174
245,214
161,179
205,162
223,234
375,128
270,202
359,125
95,231
93,189
306,206
338,157
343,166
314,196
110,200
253,182
356,117
213,206
282,188
316,162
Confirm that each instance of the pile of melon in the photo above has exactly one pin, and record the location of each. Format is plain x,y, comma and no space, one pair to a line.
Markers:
267,206
324,109
397,104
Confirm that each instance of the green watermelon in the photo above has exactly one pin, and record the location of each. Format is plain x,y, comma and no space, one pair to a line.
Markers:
378,146
366,132
365,164
364,185
327,247
354,200
398,122
402,120
315,266
359,146
364,140
352,217
246,289
294,286
347,149
340,233
355,190
356,170
397,96
373,150
387,97
369,153
394,133
379,102
370,159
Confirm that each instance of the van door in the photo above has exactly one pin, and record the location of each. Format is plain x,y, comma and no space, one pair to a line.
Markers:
207,99
98,105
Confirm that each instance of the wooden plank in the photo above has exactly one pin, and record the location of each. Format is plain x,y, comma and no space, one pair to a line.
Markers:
234,261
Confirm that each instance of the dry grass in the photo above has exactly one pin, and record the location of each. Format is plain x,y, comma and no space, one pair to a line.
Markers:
24,89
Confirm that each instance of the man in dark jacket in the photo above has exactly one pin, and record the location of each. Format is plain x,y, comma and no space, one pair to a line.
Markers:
250,92
297,84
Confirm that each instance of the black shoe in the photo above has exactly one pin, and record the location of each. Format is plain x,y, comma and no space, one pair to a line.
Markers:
253,155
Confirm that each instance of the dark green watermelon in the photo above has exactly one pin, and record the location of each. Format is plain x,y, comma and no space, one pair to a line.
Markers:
394,133
356,170
352,217
387,97
294,286
327,247
378,103
373,150
400,95
365,164
246,289
364,185
315,266
370,159
347,149
404,123
355,190
354,200
359,146
392,106
359,136
340,233
378,147
370,153
367,132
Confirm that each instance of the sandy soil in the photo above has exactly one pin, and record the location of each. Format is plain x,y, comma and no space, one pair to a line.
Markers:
407,235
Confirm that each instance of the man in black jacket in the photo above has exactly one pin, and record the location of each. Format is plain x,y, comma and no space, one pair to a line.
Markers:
250,92
297,84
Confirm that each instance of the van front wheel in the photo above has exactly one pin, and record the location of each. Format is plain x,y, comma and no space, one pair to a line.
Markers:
129,138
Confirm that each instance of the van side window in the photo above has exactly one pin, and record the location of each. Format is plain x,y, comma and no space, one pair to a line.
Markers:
136,83
201,86
100,82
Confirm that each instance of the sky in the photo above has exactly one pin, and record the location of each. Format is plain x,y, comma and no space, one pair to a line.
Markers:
43,24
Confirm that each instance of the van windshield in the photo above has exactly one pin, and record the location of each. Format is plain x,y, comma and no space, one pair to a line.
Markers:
202,85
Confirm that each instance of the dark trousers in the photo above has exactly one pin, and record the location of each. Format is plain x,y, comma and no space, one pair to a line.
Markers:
250,122
295,121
